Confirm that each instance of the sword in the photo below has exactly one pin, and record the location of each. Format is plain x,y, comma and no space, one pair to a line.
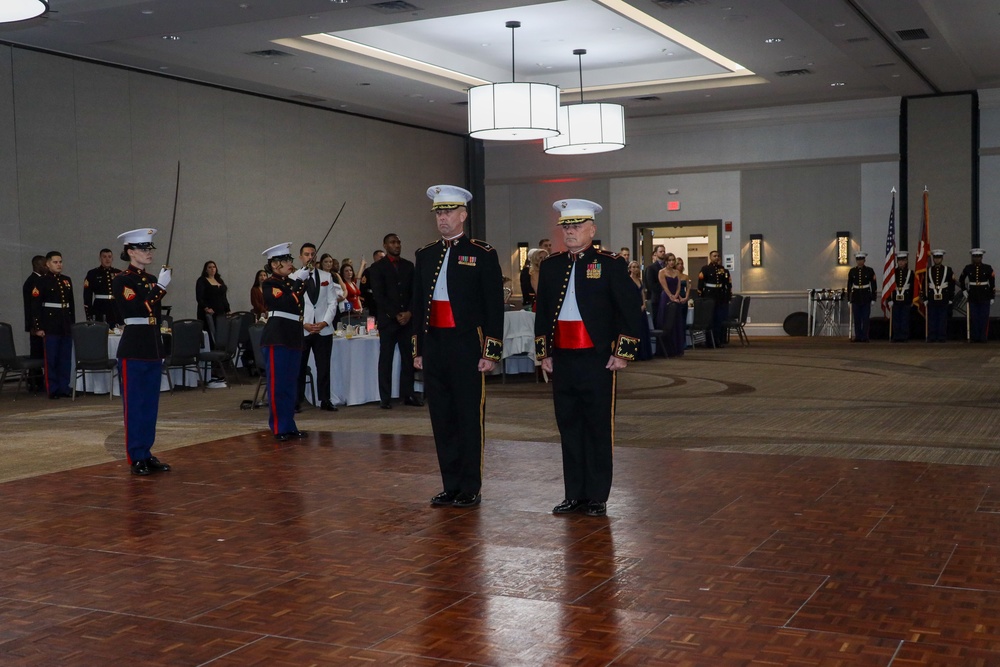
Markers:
331,228
173,219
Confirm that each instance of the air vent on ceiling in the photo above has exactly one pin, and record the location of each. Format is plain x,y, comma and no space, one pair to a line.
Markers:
857,40
309,99
269,53
649,98
912,34
793,72
394,7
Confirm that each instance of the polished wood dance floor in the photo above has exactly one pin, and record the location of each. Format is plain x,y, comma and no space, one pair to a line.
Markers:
326,552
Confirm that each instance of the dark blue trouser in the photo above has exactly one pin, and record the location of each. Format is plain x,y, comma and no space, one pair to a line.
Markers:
979,321
282,381
58,364
140,386
900,320
720,312
937,321
862,313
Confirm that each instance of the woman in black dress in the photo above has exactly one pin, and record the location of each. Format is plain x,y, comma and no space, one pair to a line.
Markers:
210,291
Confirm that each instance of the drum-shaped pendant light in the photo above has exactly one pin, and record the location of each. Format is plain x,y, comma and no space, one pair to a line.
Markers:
588,128
513,111
21,10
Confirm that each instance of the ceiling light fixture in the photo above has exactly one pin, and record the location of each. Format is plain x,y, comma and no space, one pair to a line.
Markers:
773,40
588,128
513,111
22,10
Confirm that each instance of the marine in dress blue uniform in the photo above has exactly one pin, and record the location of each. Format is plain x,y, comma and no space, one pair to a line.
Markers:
938,292
53,313
979,283
901,298
861,292
585,331
282,338
140,352
98,300
457,337
715,283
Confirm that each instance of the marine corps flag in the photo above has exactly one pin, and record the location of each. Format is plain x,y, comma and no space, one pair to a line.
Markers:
920,268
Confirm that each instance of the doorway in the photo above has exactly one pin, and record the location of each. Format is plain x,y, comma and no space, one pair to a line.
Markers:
689,240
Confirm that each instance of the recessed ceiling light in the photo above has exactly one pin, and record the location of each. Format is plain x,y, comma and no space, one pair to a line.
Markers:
839,25
164,67
925,48
773,40
313,16
172,38
147,12
837,84
485,44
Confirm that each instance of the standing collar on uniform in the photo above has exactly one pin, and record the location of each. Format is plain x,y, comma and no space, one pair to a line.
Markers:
452,240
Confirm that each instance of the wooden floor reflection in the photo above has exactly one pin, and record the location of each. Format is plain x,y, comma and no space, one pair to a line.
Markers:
326,552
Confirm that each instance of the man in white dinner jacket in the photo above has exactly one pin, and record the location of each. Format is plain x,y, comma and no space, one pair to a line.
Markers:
317,321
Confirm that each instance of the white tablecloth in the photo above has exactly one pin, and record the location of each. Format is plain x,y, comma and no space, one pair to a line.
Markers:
354,371
98,381
518,341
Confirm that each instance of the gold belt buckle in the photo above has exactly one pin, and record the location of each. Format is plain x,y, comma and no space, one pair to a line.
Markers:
937,297
152,319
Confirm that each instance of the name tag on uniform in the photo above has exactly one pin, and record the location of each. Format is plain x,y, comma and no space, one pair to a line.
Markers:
467,260
594,270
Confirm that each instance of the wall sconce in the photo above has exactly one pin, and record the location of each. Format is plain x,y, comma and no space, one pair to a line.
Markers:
522,254
756,250
843,247
597,243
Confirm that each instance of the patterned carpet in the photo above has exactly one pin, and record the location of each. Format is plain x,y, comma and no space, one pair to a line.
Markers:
801,396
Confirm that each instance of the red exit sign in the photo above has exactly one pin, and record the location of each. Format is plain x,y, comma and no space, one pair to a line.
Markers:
673,206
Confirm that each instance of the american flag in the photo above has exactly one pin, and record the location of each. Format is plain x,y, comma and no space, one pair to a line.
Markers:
889,268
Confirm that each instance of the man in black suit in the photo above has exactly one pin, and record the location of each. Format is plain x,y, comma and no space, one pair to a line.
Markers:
391,282
586,330
457,337
651,277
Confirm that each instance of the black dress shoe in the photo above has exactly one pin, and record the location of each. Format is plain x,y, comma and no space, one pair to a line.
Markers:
385,405
298,434
155,465
54,396
444,498
568,506
467,500
66,393
414,401
282,437
595,508
298,408
328,406
141,468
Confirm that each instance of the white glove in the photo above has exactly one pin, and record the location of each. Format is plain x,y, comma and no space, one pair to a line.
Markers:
164,278
301,274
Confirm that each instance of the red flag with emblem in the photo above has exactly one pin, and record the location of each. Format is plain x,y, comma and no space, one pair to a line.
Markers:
920,268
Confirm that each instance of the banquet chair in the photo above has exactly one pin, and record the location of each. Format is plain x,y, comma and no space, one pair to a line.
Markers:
731,323
10,361
90,344
185,346
224,353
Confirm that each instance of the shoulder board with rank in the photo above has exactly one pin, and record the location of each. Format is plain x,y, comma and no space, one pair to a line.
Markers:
482,244
555,254
432,243
606,253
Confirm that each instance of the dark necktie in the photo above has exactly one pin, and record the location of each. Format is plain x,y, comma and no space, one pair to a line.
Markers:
312,287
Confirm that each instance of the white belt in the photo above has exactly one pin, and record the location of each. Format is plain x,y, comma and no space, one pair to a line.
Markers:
104,296
970,285
55,305
712,285
283,314
140,320
865,286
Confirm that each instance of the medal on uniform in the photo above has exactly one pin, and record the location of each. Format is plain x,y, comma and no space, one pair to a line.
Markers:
594,270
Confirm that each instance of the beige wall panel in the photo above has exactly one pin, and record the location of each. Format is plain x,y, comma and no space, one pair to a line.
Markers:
15,256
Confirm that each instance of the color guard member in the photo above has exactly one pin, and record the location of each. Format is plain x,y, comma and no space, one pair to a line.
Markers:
457,338
901,298
53,312
281,340
979,283
140,352
861,292
938,292
98,301
715,283
586,330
